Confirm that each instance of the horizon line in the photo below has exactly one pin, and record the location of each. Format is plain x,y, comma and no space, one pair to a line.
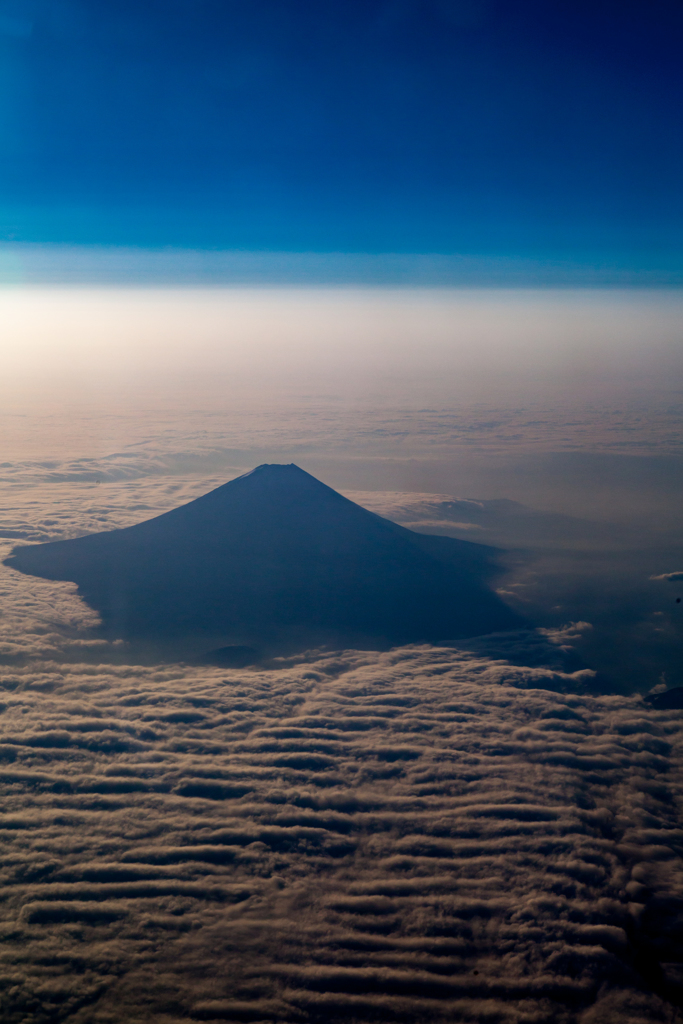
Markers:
37,263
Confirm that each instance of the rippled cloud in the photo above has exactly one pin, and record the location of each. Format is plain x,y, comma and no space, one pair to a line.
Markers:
425,834
421,834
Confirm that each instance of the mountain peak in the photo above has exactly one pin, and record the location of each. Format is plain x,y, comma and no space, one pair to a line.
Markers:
288,474
275,560
275,469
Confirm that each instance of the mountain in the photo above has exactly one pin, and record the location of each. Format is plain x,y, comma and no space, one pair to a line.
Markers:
275,561
669,700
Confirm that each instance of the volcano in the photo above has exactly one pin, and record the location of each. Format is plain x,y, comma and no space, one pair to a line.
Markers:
275,561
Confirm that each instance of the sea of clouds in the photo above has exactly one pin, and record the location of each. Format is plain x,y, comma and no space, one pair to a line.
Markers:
481,835
424,834
421,834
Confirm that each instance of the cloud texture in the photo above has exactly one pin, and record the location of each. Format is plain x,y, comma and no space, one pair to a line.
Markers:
424,834
421,835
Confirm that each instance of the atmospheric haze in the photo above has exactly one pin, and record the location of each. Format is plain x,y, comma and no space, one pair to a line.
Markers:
341,567
461,827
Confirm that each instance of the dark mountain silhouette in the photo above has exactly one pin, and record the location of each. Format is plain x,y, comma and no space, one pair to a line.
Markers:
275,561
668,700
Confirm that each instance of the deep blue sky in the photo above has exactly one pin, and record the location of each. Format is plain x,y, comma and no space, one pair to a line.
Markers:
540,128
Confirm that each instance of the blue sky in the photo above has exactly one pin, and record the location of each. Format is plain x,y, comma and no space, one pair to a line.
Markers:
511,130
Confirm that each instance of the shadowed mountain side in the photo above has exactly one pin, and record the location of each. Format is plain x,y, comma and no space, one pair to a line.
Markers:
500,521
669,700
272,560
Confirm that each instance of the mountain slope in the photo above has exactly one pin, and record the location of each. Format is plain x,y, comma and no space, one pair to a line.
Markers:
275,559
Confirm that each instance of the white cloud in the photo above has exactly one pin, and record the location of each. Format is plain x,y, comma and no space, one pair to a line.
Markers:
422,833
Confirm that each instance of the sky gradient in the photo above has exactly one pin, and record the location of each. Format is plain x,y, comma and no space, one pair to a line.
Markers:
545,132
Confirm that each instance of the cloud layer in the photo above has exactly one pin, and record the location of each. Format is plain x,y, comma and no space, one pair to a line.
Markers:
422,835
419,835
